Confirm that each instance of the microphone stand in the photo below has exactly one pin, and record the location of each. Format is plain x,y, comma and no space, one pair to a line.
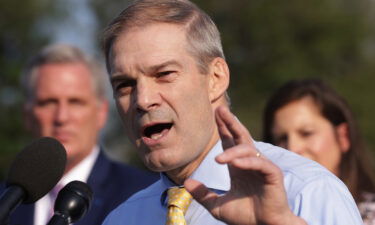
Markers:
59,219
72,203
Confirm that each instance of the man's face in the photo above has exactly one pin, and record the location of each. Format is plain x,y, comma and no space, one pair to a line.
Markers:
162,97
65,107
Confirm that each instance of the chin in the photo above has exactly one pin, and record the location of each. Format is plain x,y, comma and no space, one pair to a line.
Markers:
157,167
160,165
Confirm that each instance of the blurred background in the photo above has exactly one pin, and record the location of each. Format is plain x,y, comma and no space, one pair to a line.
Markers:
266,42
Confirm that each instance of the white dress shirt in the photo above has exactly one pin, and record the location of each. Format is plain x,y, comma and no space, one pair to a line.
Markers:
80,172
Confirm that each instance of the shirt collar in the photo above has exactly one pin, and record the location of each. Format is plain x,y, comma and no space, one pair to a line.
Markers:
82,171
212,174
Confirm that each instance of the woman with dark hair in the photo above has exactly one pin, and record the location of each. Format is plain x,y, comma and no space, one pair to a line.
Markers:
311,119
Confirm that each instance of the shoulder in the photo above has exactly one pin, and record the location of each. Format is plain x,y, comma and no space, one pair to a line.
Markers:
145,200
299,173
312,188
324,200
293,165
147,194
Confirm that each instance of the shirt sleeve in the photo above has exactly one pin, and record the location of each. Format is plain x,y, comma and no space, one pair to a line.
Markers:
327,201
112,219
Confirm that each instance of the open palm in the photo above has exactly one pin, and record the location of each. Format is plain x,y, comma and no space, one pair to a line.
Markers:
257,194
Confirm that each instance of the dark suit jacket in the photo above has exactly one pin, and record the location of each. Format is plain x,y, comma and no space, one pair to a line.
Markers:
112,183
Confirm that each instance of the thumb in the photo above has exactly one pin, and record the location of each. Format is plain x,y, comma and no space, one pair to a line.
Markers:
202,195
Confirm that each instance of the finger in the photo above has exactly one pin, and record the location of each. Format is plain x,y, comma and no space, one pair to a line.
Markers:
225,135
238,151
202,195
272,174
232,126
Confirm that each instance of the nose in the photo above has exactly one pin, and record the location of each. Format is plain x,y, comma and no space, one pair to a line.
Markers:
62,113
296,144
147,96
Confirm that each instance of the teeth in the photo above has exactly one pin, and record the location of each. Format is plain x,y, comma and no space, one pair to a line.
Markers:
156,136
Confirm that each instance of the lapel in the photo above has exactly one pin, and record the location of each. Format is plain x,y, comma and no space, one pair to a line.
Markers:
97,180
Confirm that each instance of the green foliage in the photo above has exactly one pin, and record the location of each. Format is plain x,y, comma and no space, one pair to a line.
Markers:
18,40
266,42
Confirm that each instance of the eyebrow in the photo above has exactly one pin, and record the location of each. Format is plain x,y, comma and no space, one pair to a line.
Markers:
152,69
119,77
164,64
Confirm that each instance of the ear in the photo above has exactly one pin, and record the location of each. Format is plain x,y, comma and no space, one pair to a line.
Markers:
219,78
342,131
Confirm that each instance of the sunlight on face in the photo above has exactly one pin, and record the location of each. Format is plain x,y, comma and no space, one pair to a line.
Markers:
162,96
65,107
300,127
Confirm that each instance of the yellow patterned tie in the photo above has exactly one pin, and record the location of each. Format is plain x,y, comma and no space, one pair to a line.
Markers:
178,202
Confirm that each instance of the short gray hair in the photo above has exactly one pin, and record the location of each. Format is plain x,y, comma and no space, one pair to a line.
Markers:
202,34
63,53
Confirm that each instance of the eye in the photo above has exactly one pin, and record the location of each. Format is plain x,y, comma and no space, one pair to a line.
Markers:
306,133
123,87
77,101
168,74
281,140
44,102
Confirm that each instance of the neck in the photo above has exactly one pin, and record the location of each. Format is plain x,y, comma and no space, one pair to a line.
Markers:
179,175
74,161
70,164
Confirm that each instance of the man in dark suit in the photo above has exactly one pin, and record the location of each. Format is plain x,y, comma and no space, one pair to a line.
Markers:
65,99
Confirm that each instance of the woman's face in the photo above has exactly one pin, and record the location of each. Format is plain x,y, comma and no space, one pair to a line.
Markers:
300,127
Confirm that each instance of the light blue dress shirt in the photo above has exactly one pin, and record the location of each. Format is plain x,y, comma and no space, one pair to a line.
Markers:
313,193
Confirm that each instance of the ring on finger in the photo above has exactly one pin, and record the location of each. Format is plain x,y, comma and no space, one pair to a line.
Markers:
258,154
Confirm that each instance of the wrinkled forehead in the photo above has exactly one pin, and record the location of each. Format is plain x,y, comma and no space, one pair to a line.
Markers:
148,44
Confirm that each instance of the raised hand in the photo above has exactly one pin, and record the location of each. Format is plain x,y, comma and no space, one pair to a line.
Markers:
257,194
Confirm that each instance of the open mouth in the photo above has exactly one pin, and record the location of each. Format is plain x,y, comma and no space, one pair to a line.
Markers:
156,131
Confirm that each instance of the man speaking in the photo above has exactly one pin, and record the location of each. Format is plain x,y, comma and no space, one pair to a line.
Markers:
169,79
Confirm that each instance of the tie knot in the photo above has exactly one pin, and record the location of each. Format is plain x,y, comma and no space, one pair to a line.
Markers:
179,197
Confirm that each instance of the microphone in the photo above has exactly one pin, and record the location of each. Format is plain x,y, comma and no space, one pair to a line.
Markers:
33,173
72,203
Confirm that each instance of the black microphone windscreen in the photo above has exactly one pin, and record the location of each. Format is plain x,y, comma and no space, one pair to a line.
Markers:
38,167
82,189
